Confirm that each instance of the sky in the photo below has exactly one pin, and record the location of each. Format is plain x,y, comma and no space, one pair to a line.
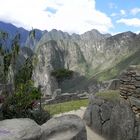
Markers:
73,16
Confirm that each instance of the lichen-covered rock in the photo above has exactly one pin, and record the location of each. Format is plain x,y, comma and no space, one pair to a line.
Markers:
68,127
122,122
112,120
19,129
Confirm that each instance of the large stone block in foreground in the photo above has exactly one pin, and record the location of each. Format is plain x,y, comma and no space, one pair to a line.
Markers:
67,127
19,129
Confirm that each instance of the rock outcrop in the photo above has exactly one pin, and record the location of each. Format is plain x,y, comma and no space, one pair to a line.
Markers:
112,120
19,129
49,58
117,119
68,127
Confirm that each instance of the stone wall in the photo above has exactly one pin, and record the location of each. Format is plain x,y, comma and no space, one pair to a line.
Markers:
65,97
130,88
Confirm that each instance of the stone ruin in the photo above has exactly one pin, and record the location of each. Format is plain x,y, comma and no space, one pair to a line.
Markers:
59,97
130,88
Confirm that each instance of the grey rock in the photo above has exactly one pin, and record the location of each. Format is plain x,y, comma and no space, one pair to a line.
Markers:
138,91
137,84
135,102
122,122
19,129
96,119
137,78
112,120
68,127
114,84
106,110
106,130
88,115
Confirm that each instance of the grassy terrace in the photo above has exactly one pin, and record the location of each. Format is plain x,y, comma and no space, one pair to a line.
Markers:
112,95
75,105
66,106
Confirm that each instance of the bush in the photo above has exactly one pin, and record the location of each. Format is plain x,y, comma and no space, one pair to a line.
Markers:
62,74
21,104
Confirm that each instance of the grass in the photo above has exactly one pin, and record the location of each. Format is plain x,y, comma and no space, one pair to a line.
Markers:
112,95
66,106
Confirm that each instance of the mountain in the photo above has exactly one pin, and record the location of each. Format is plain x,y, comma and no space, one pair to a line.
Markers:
24,34
91,54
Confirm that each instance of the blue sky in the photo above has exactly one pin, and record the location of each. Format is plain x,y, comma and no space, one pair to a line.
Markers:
73,16
121,9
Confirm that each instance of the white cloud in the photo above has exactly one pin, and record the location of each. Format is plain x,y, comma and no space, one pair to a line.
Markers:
123,12
119,14
137,32
135,22
135,11
113,14
72,15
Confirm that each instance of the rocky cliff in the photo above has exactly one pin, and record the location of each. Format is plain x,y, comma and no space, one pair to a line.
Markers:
87,54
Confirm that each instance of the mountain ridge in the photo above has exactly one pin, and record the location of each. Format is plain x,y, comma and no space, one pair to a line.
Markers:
86,54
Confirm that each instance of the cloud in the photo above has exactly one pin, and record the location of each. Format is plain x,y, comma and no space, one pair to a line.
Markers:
135,11
68,15
123,12
135,22
114,15
119,14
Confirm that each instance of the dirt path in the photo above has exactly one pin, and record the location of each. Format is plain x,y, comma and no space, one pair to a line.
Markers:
91,135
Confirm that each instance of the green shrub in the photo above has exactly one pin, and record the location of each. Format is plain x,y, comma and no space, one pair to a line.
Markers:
21,104
61,74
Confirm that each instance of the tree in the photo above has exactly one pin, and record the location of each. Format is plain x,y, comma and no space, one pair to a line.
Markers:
3,37
21,103
62,74
25,73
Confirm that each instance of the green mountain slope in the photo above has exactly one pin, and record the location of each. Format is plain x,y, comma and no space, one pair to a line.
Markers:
133,59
